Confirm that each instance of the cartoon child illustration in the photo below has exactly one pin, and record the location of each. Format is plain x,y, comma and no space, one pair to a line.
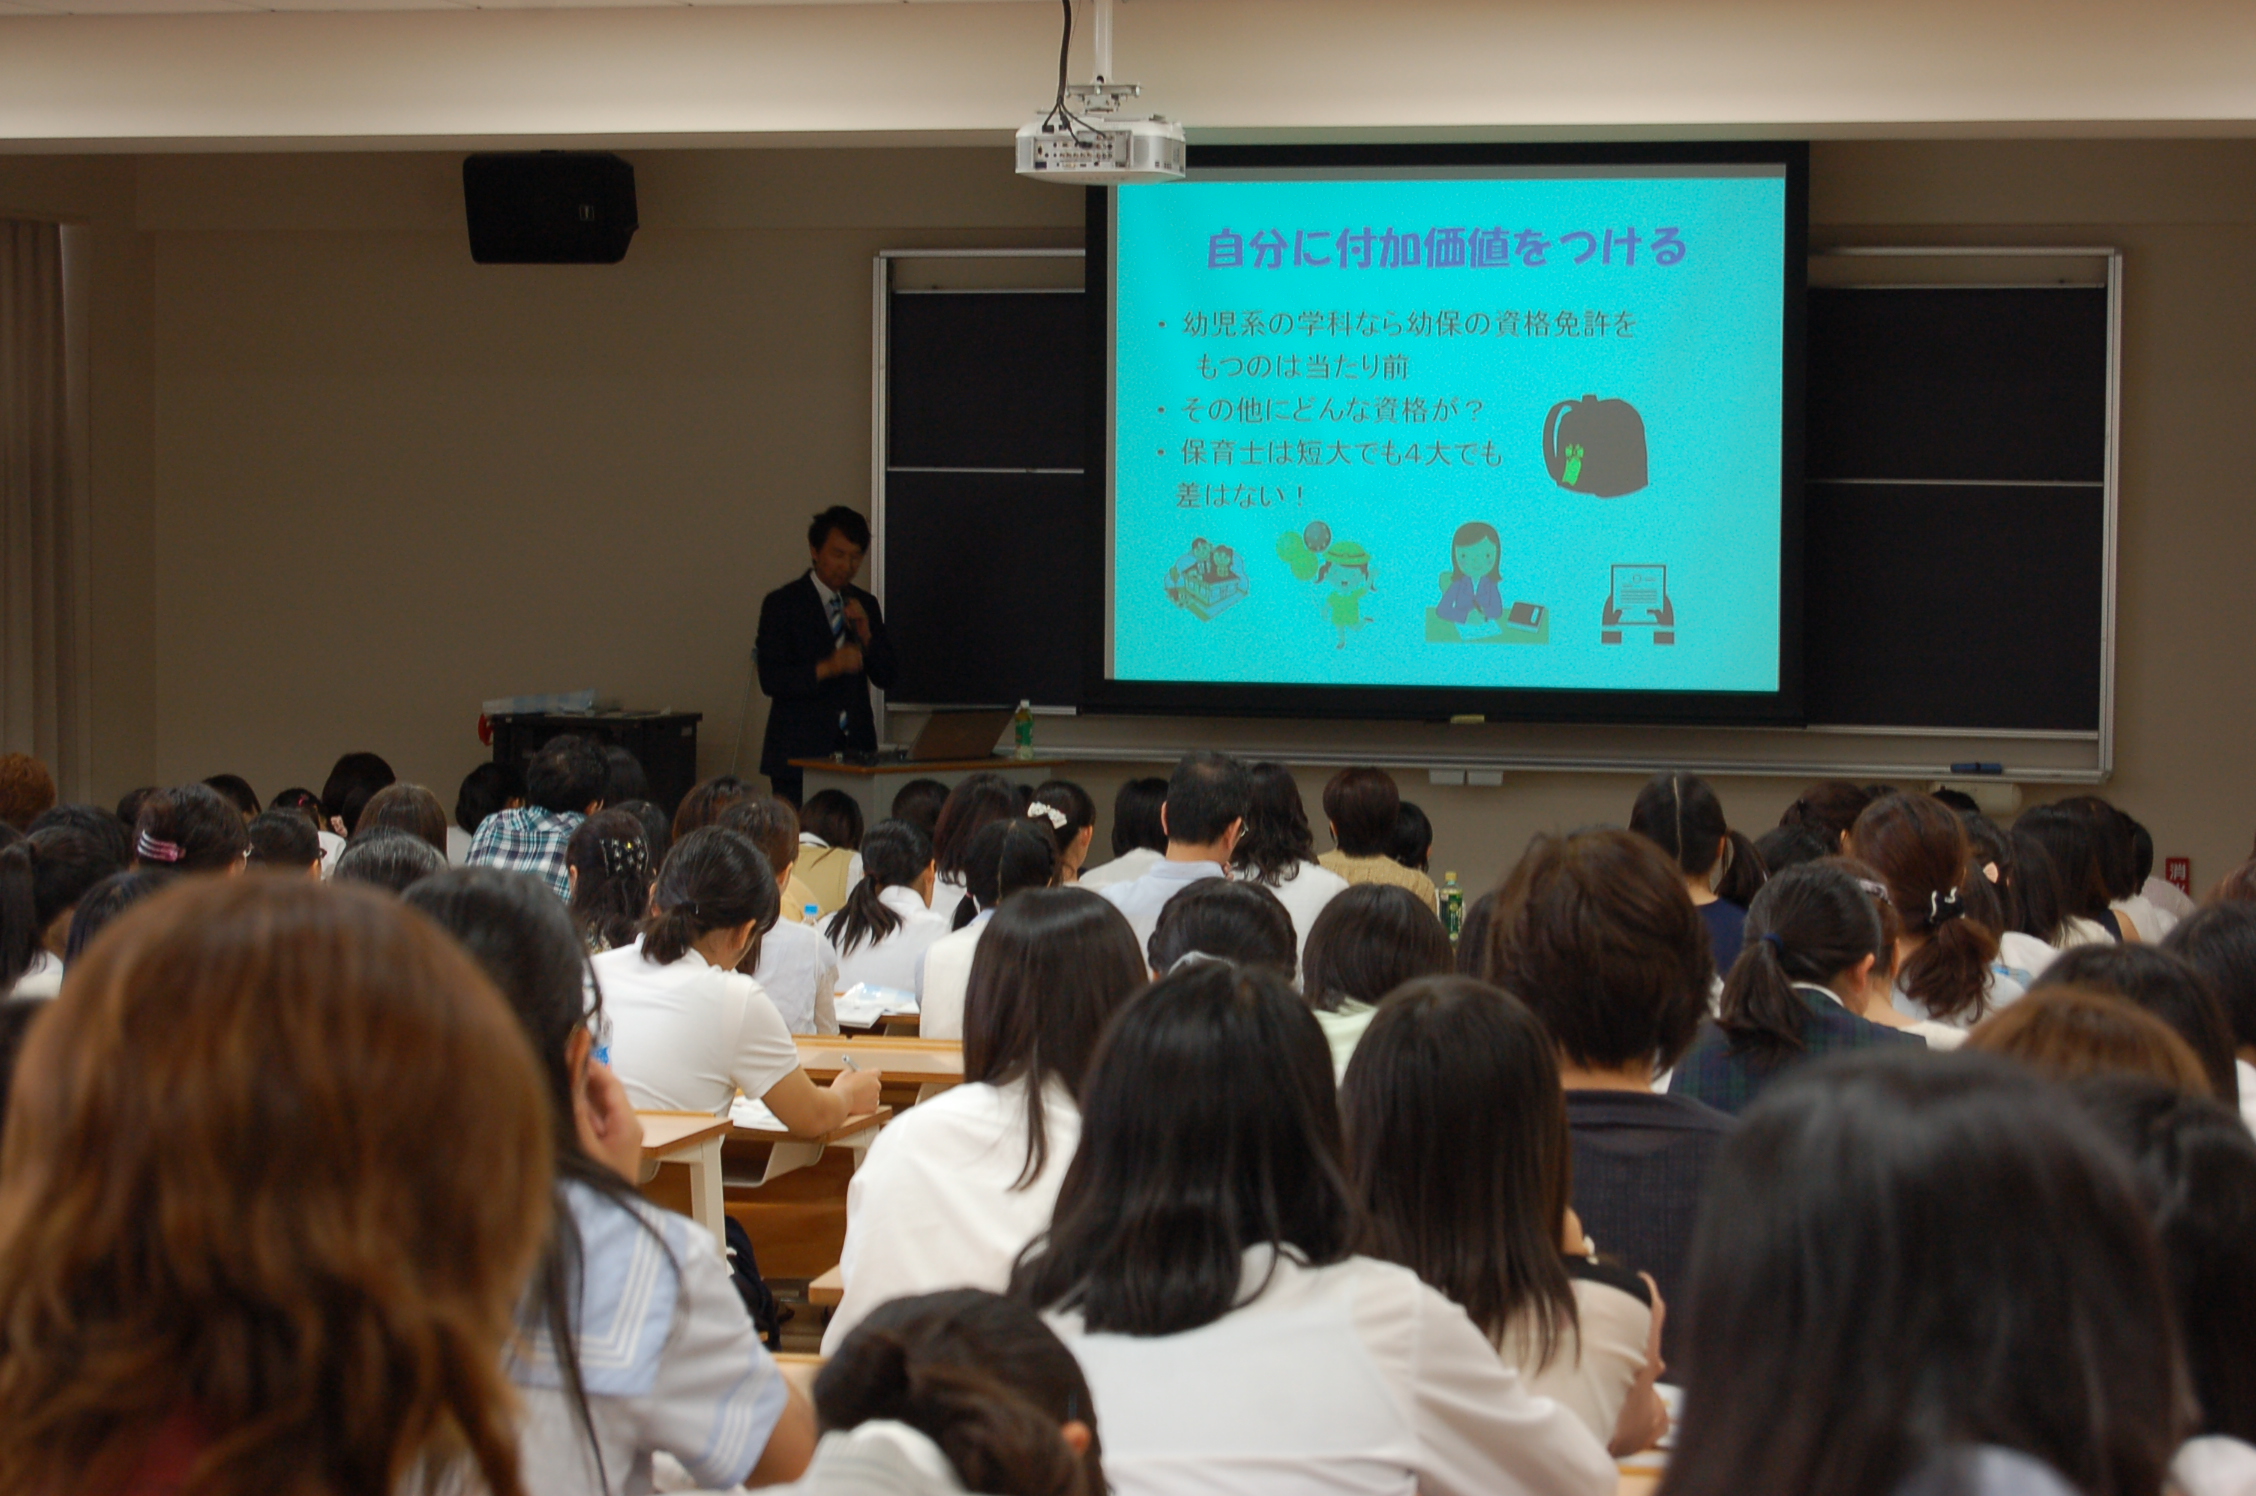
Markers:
1475,557
1220,565
1347,567
1203,581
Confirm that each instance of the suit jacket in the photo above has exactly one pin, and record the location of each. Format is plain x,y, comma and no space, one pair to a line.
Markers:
803,712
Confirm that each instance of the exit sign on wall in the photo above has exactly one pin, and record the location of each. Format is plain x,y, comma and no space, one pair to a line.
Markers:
2179,871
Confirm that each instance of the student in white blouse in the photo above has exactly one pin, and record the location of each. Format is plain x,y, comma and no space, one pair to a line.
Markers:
1200,1267
979,799
1367,942
950,1193
635,1341
794,963
1459,1154
688,1030
1005,857
888,923
1277,849
1138,840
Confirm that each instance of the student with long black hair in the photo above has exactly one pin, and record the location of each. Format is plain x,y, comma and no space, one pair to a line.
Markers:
887,922
1798,990
1680,814
957,1185
688,1030
637,1343
1924,1268
1138,838
1278,850
2071,842
1006,856
1201,1266
979,799
1449,1059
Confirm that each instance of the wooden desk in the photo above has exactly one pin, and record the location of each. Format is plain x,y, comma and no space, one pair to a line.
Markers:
873,786
789,1151
800,1368
931,1065
692,1139
827,1290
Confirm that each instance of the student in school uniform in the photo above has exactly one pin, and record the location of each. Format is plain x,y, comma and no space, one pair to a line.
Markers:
1596,934
307,1284
1680,814
1006,856
688,1030
1138,839
1367,942
1361,805
1278,850
829,863
1911,1209
1946,964
1201,1268
794,963
972,804
956,1186
1450,1060
887,922
637,1342
1203,817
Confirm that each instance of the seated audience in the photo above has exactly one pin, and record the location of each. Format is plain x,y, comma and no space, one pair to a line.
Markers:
26,790
657,827
105,901
1138,838
1783,847
956,1186
2019,875
190,829
1071,815
488,788
1413,838
2167,986
290,1281
1201,1267
2196,1166
1215,919
688,1030
623,777
129,805
2154,916
1449,1060
918,802
236,791
1946,963
607,867
978,800
2067,1032
1827,810
954,1392
2116,837
1278,851
563,787
388,858
1472,936
1744,872
2069,841
1006,856
830,848
773,825
706,802
1798,991
1596,934
1203,818
794,963
1884,1260
1360,808
410,808
353,781
284,841
1680,814
42,878
104,826
1367,942
638,1342
887,922
2219,941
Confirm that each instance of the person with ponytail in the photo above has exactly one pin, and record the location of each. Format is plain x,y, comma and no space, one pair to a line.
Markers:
1071,815
888,921
190,829
689,1030
607,865
1005,857
954,1392
1946,964
1797,991
636,1340
42,878
1680,814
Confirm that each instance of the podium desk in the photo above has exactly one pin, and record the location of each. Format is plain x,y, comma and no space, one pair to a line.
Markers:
873,786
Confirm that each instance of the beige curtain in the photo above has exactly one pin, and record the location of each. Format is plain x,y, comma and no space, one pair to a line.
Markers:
39,709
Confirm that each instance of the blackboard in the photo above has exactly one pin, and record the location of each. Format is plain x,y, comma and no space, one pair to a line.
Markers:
1955,521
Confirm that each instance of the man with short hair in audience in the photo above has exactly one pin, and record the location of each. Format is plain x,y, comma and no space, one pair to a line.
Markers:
564,784
1203,816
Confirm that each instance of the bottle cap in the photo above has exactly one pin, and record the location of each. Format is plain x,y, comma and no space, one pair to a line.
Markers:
812,910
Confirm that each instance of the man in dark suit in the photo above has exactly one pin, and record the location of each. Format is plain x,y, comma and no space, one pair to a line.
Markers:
820,636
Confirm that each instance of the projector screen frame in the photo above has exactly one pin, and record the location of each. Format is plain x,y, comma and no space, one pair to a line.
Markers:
1784,707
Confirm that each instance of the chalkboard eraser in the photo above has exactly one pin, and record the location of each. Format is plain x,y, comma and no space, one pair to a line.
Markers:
1977,768
1467,719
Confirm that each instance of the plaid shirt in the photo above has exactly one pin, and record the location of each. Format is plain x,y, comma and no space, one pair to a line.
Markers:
1729,1079
530,840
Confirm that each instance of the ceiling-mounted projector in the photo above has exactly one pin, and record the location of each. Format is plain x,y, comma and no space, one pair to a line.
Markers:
1083,139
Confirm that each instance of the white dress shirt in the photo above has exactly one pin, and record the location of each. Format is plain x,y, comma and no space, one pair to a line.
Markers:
1594,1365
798,971
43,978
2245,1074
892,960
947,979
1143,898
2214,1465
947,892
935,1205
1126,868
1304,893
1354,1379
687,1036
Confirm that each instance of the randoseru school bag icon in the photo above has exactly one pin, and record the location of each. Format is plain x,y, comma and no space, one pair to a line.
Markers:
1595,446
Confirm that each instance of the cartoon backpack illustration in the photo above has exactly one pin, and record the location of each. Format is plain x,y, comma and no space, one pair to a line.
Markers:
1595,446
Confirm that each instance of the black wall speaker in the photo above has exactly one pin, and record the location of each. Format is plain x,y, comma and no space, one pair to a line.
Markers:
548,207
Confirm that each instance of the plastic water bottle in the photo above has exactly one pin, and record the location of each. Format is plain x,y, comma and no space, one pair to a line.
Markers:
811,913
1022,728
1452,905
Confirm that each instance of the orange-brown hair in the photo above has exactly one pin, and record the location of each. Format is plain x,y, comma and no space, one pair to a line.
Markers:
26,789
2068,1032
277,1160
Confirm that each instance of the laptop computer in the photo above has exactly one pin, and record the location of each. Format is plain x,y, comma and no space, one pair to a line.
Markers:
956,736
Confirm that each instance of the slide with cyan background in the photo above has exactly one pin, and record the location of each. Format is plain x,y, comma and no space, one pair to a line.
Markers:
1472,431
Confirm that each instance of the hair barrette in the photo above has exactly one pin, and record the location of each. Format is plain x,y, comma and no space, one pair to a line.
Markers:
1056,818
156,849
